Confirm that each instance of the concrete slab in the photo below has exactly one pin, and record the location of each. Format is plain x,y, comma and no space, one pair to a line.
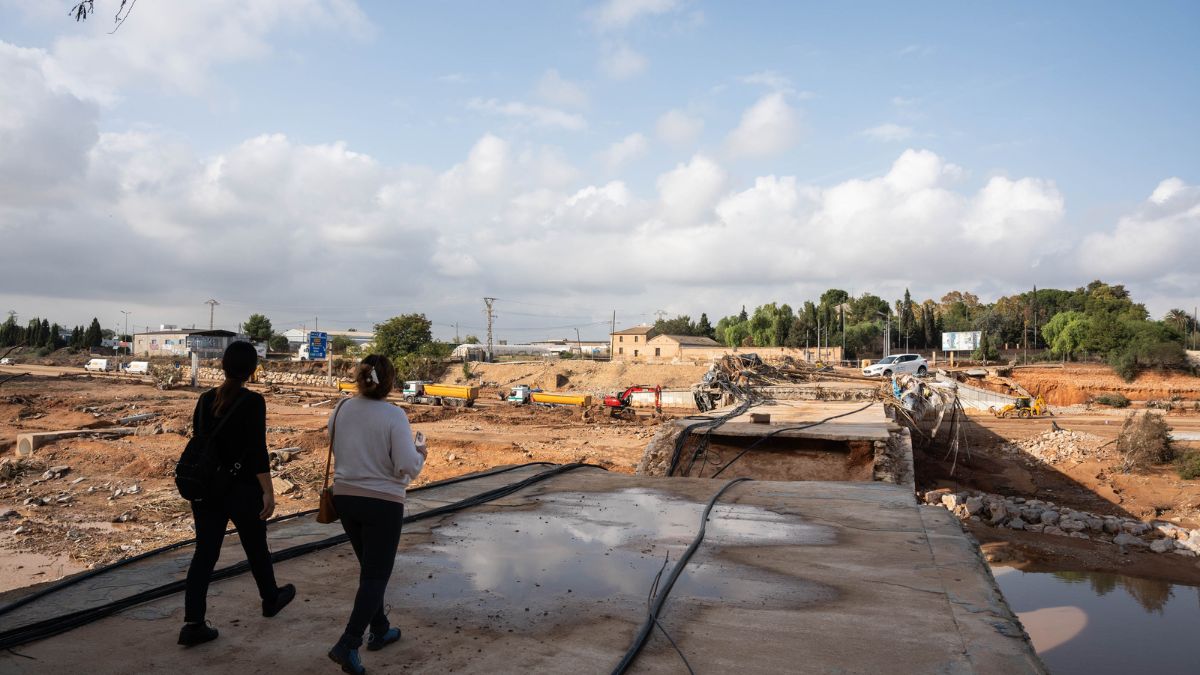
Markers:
792,577
870,424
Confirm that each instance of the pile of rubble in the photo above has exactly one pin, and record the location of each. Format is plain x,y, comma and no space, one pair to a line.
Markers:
1062,445
1035,515
270,377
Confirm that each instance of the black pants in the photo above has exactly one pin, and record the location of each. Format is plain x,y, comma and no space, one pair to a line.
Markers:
242,505
373,526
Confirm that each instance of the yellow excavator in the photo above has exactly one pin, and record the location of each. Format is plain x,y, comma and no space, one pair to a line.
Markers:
1024,407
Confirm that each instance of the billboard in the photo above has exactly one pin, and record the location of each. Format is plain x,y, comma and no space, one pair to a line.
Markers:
967,341
317,342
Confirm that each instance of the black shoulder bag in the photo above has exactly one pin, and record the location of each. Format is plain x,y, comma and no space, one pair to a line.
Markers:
199,473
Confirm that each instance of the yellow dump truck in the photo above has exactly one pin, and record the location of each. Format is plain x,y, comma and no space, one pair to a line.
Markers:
522,393
451,395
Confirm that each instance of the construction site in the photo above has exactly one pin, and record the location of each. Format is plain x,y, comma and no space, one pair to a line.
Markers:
542,521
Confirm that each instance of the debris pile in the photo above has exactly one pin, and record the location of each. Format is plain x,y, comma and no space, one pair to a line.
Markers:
1062,445
1035,515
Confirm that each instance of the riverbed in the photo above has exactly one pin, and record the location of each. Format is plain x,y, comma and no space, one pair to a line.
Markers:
1093,623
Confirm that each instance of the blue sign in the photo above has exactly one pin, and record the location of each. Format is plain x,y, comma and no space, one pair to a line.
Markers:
317,343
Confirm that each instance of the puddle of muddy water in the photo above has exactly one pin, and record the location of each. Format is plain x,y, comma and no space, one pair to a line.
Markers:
604,550
1082,622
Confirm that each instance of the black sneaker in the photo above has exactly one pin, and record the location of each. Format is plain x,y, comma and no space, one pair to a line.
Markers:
348,659
284,596
375,642
193,634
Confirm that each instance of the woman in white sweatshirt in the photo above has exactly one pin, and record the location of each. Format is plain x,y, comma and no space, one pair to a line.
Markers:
376,458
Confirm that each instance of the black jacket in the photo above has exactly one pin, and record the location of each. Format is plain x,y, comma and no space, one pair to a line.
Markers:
243,438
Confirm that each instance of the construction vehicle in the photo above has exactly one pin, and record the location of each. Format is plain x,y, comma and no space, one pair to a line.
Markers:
1024,407
449,395
523,393
621,405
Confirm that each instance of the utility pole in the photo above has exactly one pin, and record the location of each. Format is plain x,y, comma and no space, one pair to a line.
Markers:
317,324
490,316
456,339
212,305
579,343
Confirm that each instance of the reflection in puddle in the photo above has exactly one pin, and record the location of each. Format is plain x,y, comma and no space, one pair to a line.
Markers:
604,548
1084,622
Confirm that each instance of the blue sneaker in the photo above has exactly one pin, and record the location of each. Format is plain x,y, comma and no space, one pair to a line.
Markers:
348,659
377,642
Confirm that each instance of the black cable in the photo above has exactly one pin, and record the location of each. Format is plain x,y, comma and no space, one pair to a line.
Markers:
783,429
650,598
71,581
49,627
660,599
712,423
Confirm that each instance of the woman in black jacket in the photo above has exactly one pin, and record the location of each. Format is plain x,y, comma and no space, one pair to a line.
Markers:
248,501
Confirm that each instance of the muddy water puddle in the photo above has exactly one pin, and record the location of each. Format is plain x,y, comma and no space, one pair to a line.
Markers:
603,551
1082,622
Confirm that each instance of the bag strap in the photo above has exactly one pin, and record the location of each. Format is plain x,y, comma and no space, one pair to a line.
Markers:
332,432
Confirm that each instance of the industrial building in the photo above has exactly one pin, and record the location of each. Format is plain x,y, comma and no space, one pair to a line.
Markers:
170,341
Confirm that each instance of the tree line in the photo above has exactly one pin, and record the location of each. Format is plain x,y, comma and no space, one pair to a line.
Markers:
1098,320
46,337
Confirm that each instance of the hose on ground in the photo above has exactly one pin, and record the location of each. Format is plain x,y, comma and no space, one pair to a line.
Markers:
50,627
664,590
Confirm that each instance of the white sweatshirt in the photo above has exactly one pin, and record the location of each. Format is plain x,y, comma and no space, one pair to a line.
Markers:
373,450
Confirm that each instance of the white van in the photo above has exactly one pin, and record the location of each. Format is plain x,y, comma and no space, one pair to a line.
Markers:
97,365
138,368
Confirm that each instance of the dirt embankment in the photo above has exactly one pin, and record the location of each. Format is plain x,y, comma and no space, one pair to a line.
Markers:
1079,383
590,377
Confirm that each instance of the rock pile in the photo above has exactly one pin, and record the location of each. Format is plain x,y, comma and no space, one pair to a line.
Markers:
1054,447
271,377
1036,515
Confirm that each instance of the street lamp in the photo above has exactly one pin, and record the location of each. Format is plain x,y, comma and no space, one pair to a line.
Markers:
128,348
887,342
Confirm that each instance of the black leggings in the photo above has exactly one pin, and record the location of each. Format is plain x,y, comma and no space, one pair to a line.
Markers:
242,505
373,526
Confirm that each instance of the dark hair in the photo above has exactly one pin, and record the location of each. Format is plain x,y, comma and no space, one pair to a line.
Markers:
385,377
238,362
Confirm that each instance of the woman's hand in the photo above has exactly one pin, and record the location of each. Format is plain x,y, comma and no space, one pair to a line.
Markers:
268,490
419,442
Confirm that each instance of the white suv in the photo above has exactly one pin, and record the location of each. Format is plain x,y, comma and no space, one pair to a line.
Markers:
896,364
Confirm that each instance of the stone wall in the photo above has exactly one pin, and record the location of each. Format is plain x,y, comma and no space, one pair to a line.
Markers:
1036,515
216,376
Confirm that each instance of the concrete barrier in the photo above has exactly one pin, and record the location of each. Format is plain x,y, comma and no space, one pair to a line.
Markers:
27,443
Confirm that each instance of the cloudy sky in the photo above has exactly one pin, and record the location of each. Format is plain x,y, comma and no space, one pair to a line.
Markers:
356,160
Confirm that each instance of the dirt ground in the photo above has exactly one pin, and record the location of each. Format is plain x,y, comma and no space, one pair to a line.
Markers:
117,498
1079,383
588,377
1092,482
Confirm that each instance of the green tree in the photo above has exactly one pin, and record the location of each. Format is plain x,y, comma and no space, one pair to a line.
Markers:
906,316
403,335
1065,333
703,327
427,362
341,343
471,340
278,343
258,327
93,336
986,350
680,325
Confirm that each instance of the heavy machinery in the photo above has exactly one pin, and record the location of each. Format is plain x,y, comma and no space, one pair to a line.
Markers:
621,405
523,393
448,395
1024,407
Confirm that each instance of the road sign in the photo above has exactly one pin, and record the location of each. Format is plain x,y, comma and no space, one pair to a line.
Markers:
317,344
967,341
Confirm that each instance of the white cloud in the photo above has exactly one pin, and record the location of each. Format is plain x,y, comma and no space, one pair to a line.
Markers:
616,14
535,114
768,127
678,128
770,79
688,192
556,89
453,78
620,61
631,147
888,133
1160,239
176,46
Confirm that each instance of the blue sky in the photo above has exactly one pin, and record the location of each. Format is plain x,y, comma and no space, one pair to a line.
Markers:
581,157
